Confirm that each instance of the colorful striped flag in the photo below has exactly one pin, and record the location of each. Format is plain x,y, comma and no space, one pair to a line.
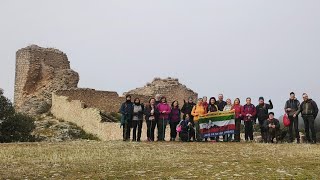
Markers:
217,124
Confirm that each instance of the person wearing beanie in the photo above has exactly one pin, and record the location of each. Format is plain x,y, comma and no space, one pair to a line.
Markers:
290,108
272,127
262,115
126,111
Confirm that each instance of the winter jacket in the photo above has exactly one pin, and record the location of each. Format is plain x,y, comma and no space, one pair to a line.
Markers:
272,122
149,116
293,104
187,108
198,111
212,108
175,115
249,109
263,111
138,112
126,111
237,110
164,107
205,105
308,108
221,105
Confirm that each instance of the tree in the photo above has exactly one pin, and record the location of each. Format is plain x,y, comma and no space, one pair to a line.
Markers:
14,127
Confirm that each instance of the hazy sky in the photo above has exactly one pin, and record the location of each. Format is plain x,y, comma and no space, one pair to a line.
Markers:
241,48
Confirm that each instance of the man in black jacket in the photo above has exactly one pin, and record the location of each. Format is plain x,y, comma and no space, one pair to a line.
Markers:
263,115
221,103
126,111
309,111
272,127
187,109
291,107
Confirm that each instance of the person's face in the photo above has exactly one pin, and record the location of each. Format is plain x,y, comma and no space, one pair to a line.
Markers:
261,101
205,99
212,101
305,97
128,98
221,98
292,96
137,101
152,102
236,101
229,102
200,101
190,101
248,101
163,100
175,104
271,116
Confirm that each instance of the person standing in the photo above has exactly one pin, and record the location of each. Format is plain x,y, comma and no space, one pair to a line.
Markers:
272,127
249,112
309,110
151,113
263,115
174,119
164,111
237,108
137,120
126,111
212,107
197,112
221,103
205,102
187,109
291,107
228,107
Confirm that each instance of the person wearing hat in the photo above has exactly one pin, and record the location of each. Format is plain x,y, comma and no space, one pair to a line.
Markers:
291,107
187,109
309,111
126,111
272,127
262,115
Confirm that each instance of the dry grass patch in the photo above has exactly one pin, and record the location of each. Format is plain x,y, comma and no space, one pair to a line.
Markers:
123,160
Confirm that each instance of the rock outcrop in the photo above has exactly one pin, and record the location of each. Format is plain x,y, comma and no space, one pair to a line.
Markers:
39,72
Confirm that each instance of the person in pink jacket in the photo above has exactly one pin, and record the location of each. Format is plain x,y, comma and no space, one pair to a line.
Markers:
164,109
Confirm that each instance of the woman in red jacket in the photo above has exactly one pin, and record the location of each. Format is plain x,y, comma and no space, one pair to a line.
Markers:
249,114
237,108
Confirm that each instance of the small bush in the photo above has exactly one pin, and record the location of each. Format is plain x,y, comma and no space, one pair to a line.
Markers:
17,128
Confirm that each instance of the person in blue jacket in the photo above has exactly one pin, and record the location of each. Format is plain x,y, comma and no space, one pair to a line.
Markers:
126,111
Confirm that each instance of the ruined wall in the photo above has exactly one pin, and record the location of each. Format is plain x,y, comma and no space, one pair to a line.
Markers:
88,118
39,72
169,87
107,101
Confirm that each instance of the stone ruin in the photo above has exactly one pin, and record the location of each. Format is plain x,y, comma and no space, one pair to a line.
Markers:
44,82
39,72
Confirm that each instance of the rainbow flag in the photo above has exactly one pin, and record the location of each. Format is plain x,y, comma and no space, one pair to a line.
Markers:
217,124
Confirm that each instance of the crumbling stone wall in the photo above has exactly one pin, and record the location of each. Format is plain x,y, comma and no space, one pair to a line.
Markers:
39,72
171,88
107,101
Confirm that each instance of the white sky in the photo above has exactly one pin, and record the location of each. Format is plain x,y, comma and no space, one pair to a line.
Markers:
240,48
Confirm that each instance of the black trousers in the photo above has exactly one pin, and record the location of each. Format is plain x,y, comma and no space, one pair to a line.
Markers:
271,133
294,123
151,125
173,129
263,130
162,124
127,130
237,131
309,126
137,125
248,130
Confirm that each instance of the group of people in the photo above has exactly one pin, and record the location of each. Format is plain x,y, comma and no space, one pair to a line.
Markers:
158,114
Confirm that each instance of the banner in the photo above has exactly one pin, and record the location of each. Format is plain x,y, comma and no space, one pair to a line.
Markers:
217,124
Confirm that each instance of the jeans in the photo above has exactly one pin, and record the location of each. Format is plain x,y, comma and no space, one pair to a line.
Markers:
173,129
309,125
162,124
248,130
137,124
151,125
294,123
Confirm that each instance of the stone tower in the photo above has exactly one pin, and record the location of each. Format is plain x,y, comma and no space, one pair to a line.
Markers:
39,72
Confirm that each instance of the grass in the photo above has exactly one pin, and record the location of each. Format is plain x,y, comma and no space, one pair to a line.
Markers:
125,160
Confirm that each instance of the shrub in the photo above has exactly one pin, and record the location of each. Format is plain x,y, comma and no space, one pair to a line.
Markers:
17,128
